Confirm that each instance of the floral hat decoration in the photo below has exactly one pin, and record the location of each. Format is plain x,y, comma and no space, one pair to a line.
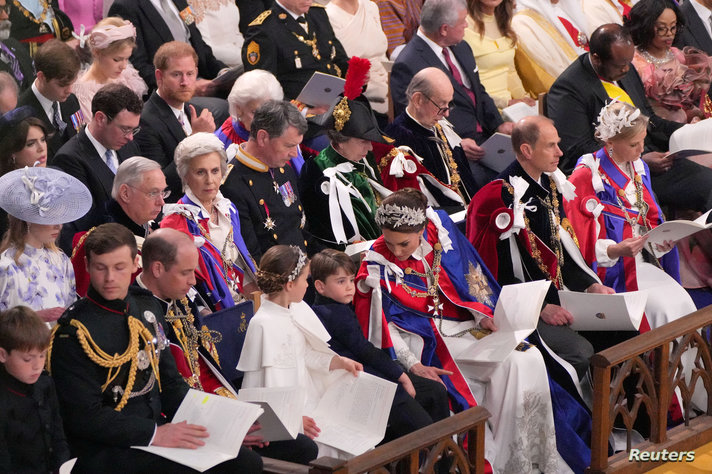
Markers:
44,196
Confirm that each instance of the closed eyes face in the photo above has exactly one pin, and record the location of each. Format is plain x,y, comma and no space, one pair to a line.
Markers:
401,244
113,64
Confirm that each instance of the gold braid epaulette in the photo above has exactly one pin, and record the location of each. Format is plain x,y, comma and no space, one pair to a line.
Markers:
113,363
383,162
260,18
81,241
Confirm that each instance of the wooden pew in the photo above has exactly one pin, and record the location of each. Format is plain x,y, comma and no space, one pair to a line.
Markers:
655,358
403,455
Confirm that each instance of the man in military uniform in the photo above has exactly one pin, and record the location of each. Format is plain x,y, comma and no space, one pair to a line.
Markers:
263,186
293,40
35,23
111,403
169,261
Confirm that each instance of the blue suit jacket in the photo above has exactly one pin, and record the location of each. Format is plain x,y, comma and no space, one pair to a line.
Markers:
418,55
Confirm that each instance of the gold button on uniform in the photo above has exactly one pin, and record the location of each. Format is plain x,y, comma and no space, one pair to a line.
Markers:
262,202
274,236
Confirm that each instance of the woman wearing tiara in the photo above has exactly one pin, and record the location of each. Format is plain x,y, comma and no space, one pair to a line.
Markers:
424,294
111,41
614,208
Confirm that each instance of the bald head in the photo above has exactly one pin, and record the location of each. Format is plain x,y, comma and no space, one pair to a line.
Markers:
429,93
169,262
536,143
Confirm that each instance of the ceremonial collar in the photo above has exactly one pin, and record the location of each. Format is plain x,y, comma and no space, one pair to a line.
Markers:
250,161
119,306
221,203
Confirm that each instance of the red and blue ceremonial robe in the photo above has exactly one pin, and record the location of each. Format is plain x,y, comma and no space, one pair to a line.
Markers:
212,280
599,204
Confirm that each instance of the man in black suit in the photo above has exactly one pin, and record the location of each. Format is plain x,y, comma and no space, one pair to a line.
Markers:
14,58
155,28
110,404
578,95
94,154
698,25
438,43
167,118
51,93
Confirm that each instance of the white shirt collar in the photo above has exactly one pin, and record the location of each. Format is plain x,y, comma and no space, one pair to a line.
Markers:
704,13
437,49
101,149
44,101
221,203
423,249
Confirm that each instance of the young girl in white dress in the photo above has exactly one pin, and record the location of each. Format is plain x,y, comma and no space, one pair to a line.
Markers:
277,351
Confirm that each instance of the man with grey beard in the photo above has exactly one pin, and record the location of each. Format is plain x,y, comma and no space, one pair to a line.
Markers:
14,58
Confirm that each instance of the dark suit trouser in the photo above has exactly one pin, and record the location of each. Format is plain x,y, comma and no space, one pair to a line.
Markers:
134,461
300,450
567,344
686,185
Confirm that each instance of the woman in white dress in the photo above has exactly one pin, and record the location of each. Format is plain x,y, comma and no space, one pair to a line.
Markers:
111,41
423,292
33,271
277,351
357,25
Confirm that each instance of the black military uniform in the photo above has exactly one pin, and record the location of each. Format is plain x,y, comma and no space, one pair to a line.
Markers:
267,200
98,433
276,42
35,31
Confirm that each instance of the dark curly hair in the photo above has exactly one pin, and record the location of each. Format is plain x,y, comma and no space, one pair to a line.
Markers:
641,19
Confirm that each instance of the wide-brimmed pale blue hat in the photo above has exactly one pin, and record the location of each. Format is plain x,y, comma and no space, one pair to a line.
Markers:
43,196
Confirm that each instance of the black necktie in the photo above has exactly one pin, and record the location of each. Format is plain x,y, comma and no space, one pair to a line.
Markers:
303,23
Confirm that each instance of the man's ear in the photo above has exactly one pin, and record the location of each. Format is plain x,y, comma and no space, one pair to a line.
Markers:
526,150
262,137
3,355
124,192
159,77
135,264
156,269
320,286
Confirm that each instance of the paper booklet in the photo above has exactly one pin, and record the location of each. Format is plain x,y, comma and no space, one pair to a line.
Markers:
358,247
678,229
283,408
516,112
516,316
353,412
227,422
321,89
599,312
498,152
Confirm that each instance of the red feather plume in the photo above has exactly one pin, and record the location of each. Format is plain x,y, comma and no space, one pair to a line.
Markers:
356,77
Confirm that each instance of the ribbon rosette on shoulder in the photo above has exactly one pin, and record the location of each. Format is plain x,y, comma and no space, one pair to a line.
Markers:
44,196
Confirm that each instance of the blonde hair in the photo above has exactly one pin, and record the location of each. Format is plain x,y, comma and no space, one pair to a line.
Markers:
15,237
114,46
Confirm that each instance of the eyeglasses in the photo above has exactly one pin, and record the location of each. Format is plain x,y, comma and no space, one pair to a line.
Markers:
5,8
664,30
153,194
441,110
125,130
